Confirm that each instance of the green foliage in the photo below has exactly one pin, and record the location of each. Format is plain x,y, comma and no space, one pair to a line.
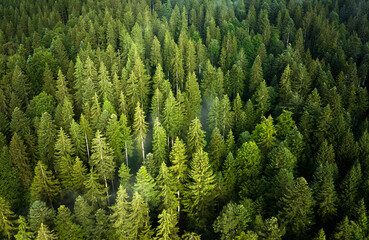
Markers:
200,193
232,221
195,137
23,230
65,227
167,228
6,222
45,234
145,186
44,185
39,213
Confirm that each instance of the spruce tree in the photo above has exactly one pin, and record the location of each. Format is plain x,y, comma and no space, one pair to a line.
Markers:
45,234
78,140
160,150
139,216
49,82
126,136
140,129
256,75
6,221
167,228
216,149
145,187
200,190
102,160
78,176
105,85
167,188
65,227
195,137
120,213
172,117
193,103
46,139
20,159
23,230
95,190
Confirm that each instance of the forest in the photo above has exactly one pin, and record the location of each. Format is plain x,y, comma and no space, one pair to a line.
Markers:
184,119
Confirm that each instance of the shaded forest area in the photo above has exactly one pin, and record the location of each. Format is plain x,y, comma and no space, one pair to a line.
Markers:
184,119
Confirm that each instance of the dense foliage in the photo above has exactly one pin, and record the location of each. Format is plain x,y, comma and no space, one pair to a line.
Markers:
184,119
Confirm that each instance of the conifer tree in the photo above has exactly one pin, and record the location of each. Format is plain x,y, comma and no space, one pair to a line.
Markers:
78,140
262,99
216,150
195,137
235,80
177,69
139,216
157,104
297,206
171,117
138,85
167,188
284,93
63,158
23,230
105,84
6,222
45,234
67,114
49,82
285,124
145,187
167,228
158,78
46,139
62,90
102,159
256,75
65,227
126,136
78,175
193,103
264,135
230,177
83,213
239,115
20,84
324,191
20,159
95,111
200,191
349,188
44,185
95,190
120,213
226,116
159,146
87,133
140,129
78,82
190,58
155,54
114,137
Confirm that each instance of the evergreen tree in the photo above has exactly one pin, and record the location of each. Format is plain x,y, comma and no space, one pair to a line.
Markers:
226,116
155,54
45,234
262,99
95,190
83,213
40,213
78,175
200,191
216,149
63,157
296,209
324,191
19,83
120,214
139,216
140,129
102,159
195,137
238,115
126,136
105,84
62,90
232,221
145,187
23,230
172,117
264,135
44,185
49,82
78,140
20,159
167,228
6,221
114,137
166,185
256,75
193,103
65,227
46,139
159,146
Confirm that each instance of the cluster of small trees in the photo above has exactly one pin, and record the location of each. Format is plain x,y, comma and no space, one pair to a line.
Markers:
184,119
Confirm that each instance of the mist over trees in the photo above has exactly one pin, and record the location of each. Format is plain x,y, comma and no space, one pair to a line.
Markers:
184,119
